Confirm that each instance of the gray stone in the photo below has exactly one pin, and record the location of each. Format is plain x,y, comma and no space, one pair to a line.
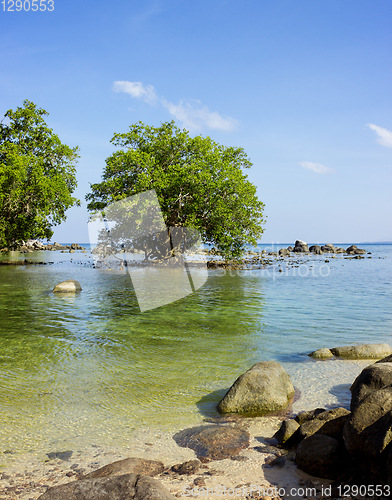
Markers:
68,286
328,248
284,252
264,388
372,378
387,359
329,423
362,351
301,247
287,431
188,468
213,442
368,432
321,456
316,249
322,353
128,466
125,487
305,416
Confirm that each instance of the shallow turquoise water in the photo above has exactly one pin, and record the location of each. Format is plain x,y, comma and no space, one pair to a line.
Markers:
91,368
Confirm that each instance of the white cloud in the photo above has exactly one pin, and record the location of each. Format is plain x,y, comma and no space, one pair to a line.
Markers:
136,89
191,113
384,135
195,116
316,167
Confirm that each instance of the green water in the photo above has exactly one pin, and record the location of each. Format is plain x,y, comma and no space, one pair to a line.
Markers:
89,368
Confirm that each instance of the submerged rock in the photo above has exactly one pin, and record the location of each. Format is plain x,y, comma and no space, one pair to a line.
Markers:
125,487
264,388
68,286
213,442
128,466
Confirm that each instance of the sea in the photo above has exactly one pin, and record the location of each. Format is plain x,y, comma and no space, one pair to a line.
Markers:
91,369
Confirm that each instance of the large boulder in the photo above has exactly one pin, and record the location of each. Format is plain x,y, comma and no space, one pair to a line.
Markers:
371,379
362,351
353,249
128,466
284,252
301,247
329,423
213,442
316,249
368,433
328,248
264,388
321,456
125,487
68,286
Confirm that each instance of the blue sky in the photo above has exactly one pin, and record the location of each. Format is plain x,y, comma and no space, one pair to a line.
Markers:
303,86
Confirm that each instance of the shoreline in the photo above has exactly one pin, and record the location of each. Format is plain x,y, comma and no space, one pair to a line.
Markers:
29,474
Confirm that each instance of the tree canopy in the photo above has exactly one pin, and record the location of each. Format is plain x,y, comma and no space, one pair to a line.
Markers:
199,184
37,176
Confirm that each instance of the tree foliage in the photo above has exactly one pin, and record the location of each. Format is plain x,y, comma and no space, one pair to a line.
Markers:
199,184
37,176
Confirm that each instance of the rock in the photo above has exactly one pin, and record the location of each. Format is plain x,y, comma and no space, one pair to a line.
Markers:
76,246
321,456
322,353
387,359
316,249
264,388
367,433
340,250
68,286
71,251
328,248
351,249
188,468
286,431
362,351
284,252
128,466
62,455
305,416
371,379
301,247
213,442
329,423
290,248
355,250
125,487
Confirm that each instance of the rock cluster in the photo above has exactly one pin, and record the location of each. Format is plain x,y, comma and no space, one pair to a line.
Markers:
35,245
302,247
339,444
